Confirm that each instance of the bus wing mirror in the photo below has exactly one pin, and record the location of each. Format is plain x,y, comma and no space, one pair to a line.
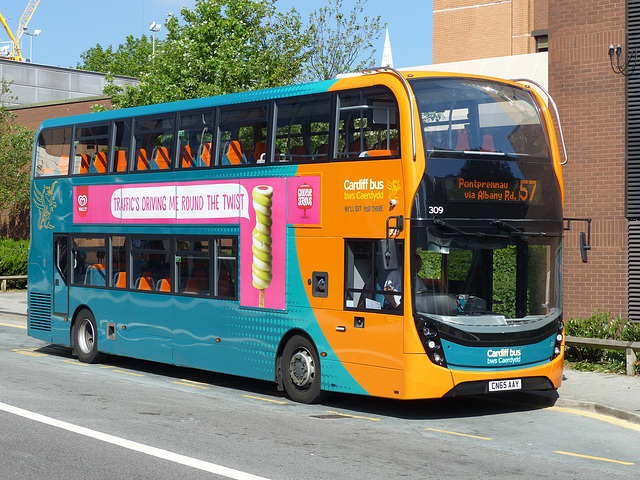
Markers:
584,246
388,245
389,254
585,238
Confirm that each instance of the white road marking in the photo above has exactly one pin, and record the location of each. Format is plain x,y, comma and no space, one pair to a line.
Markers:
135,446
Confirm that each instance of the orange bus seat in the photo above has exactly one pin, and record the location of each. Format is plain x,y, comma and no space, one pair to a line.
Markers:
99,163
120,280
186,158
487,143
259,152
161,159
121,161
298,153
204,155
233,154
379,153
144,283
463,141
322,152
142,162
84,163
164,285
63,166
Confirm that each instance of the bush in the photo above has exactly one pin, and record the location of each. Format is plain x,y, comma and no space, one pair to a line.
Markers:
13,259
601,325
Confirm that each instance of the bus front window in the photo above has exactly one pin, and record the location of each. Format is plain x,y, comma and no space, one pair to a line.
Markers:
472,280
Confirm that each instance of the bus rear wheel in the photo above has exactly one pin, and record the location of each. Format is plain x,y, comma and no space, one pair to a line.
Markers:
301,370
85,337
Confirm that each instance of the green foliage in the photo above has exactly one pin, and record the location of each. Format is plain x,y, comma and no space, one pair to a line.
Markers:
130,59
338,40
601,325
221,46
13,259
16,146
504,285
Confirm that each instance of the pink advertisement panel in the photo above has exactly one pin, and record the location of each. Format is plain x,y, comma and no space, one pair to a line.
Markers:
262,207
263,244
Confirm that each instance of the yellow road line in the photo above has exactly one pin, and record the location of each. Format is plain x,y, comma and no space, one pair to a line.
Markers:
459,434
594,458
354,416
598,416
190,385
76,362
14,326
128,373
28,351
267,399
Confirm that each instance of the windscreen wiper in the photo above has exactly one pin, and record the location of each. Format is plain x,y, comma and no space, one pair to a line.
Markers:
441,223
503,225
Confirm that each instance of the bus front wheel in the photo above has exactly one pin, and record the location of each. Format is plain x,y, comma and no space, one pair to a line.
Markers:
85,337
301,370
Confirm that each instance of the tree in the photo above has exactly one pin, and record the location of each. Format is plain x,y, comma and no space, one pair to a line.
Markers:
16,145
130,59
222,46
339,42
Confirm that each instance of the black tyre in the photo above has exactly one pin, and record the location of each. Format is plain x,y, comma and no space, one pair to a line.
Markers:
85,338
300,367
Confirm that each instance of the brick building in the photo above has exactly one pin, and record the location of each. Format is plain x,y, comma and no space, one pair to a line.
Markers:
471,29
593,107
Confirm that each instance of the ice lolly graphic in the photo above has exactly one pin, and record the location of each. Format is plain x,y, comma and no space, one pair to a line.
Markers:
262,257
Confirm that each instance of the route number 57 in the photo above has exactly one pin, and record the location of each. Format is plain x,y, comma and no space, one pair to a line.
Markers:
527,190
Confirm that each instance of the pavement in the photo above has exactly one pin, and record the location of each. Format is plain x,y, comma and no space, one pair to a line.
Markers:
604,393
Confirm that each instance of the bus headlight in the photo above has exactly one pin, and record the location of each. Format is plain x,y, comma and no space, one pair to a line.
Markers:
557,348
428,333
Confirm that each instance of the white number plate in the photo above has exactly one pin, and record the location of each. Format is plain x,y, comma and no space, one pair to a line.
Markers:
501,385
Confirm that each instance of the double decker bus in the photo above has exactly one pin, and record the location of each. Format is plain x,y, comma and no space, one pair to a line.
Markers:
396,234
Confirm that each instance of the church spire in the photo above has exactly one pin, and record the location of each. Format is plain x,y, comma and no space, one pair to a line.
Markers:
387,58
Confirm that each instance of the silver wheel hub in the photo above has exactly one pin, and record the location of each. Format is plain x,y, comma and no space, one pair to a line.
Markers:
85,336
302,369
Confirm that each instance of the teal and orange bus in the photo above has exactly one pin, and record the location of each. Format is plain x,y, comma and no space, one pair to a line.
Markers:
396,234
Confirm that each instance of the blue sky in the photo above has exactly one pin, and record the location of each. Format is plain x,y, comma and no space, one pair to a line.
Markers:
69,27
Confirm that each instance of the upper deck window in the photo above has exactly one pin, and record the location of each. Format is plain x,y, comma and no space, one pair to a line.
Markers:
469,115
242,135
52,155
91,149
153,143
302,133
368,124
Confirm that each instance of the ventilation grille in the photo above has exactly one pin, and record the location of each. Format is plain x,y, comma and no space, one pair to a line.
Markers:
633,111
40,309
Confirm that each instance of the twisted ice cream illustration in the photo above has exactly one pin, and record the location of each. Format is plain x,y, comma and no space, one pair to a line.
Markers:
262,257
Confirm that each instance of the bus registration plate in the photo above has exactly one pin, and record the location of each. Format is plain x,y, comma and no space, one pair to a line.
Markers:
501,385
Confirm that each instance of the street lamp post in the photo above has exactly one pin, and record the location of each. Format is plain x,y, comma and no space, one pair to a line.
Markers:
154,28
35,33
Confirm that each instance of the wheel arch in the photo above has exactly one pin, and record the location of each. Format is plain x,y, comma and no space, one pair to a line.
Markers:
283,342
74,317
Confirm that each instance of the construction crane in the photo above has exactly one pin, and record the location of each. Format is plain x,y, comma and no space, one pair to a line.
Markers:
14,52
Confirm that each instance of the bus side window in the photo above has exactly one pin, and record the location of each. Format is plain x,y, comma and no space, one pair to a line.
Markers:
227,268
240,130
154,143
122,133
365,276
302,131
368,125
52,152
195,135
